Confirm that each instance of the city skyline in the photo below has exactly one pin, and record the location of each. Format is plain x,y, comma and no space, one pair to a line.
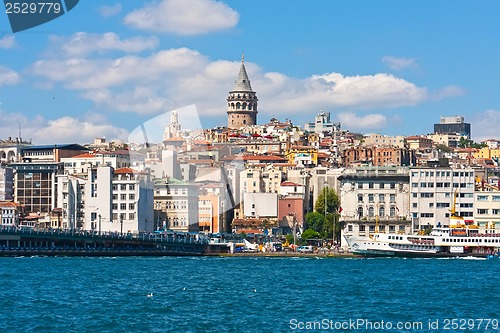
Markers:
390,68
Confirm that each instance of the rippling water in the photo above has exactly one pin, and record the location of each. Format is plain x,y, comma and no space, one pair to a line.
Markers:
235,294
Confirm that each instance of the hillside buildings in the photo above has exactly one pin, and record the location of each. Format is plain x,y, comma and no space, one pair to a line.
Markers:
251,178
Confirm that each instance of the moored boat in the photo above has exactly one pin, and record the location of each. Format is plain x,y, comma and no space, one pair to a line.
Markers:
455,240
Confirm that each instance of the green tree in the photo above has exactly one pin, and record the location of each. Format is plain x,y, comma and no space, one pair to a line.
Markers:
329,217
314,221
332,201
310,234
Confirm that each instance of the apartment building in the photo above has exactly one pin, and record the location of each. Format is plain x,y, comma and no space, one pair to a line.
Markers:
432,191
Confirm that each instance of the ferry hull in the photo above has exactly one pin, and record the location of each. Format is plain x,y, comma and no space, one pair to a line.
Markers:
409,254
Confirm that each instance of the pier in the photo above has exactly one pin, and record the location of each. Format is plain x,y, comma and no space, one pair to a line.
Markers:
57,242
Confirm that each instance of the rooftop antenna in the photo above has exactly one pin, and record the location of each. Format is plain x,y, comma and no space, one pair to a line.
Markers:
242,56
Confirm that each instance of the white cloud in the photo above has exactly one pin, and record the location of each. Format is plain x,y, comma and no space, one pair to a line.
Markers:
7,42
82,43
139,100
88,74
150,84
334,90
398,63
483,125
370,121
448,91
107,11
61,130
186,17
8,76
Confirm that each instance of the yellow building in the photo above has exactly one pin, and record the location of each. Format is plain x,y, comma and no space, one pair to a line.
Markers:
306,155
487,153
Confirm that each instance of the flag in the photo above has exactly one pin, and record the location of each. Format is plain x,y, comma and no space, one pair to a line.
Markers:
340,209
397,208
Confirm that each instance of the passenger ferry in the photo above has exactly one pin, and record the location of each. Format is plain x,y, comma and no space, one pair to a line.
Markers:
456,240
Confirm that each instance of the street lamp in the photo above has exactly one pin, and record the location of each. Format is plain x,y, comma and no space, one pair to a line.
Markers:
121,223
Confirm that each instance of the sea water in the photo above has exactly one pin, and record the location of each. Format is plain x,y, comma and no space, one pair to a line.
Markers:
248,294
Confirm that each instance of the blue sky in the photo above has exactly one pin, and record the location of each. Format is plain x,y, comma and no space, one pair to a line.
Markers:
389,67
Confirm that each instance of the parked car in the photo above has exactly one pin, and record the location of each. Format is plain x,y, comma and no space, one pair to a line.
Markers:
305,249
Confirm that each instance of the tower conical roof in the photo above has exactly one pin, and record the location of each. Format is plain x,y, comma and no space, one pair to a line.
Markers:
242,81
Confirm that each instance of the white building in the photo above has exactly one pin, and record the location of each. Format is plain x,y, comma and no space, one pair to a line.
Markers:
259,205
107,200
487,210
80,163
371,196
322,123
178,202
6,184
432,192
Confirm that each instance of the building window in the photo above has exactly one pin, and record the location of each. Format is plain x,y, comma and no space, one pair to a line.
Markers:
360,211
482,211
392,211
370,197
360,197
371,212
123,206
381,211
482,198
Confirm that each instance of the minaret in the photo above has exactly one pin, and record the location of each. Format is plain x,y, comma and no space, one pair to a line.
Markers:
242,101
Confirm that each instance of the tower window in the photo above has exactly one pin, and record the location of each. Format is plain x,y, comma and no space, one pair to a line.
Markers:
244,121
238,105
